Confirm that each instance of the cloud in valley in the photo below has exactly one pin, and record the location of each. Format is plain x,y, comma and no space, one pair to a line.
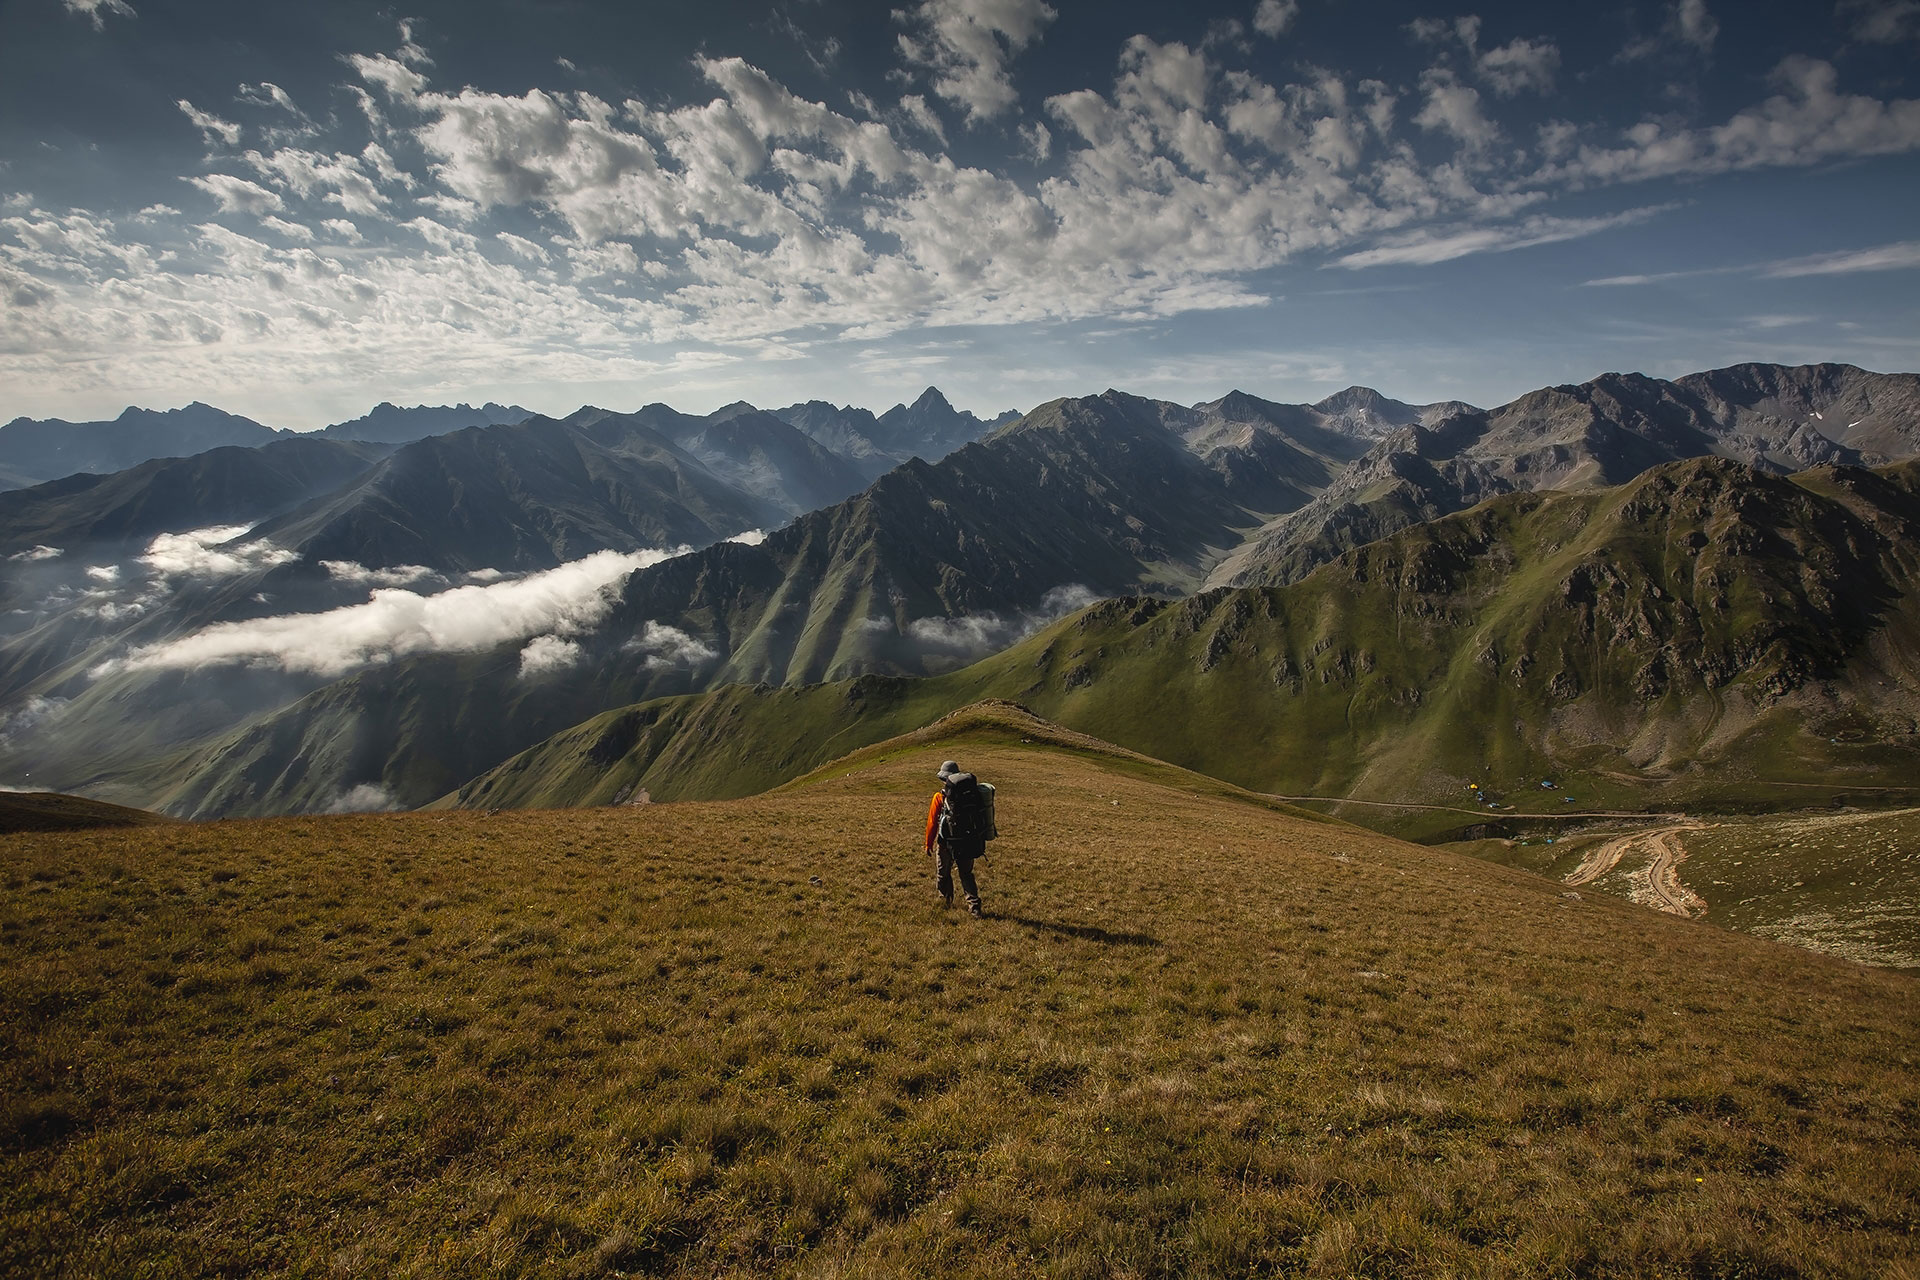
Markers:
400,575
567,601
977,635
212,553
368,797
548,653
668,646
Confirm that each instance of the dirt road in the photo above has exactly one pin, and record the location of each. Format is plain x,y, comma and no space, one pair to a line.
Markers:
1657,884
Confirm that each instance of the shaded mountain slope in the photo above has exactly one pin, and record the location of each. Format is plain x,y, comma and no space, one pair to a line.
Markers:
760,454
224,486
37,450
932,564
1600,433
1195,1033
1700,635
521,497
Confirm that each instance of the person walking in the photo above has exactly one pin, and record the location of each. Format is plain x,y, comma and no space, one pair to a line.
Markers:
959,823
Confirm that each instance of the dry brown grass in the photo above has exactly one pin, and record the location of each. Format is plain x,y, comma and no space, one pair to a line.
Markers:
1195,1036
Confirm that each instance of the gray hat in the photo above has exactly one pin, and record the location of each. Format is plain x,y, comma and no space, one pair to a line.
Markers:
948,769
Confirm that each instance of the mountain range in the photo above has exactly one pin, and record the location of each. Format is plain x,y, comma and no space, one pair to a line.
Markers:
1432,566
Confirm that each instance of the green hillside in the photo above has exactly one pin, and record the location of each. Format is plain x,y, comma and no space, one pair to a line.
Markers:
1197,1034
1693,638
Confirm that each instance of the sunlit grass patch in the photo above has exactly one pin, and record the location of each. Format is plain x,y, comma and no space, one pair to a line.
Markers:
1195,1036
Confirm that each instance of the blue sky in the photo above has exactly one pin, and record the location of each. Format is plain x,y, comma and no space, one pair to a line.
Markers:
296,211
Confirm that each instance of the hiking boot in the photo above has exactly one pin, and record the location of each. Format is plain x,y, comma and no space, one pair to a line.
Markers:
973,909
946,901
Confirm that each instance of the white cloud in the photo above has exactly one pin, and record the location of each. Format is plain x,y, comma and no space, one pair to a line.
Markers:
1454,108
402,575
1887,257
339,176
667,646
291,230
1694,24
342,228
95,9
104,572
237,195
1273,17
977,635
751,538
35,713
967,44
211,553
368,797
562,602
522,248
1882,21
40,552
545,654
1805,123
401,82
212,127
1520,65
921,114
1423,248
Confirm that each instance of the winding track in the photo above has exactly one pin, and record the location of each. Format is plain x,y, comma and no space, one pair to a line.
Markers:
1656,885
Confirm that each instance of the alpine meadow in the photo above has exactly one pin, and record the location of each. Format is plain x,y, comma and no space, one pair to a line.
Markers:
515,763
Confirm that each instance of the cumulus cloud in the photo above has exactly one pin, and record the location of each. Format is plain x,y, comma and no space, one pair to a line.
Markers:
1454,108
562,602
545,654
39,552
751,538
368,797
1693,24
667,646
96,10
1882,21
977,635
237,195
753,214
104,572
967,44
1273,17
212,553
212,127
1807,121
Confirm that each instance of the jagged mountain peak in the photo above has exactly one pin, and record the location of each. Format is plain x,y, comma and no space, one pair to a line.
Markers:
734,410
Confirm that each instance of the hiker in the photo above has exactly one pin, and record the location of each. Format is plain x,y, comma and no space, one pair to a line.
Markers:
960,820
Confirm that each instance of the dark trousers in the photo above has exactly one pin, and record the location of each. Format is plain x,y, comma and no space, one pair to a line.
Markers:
953,857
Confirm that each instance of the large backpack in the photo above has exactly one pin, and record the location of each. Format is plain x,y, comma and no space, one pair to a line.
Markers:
969,808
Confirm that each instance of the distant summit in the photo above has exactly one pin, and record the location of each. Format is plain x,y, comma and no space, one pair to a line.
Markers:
391,424
36,450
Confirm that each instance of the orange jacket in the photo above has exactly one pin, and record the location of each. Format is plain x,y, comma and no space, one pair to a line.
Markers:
933,818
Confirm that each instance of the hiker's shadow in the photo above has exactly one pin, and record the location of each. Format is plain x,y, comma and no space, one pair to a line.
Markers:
1088,932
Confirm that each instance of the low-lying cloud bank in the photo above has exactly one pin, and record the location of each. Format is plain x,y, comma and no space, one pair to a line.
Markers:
396,623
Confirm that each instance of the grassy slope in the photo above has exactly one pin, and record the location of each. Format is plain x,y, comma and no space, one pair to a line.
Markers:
1197,1035
1844,882
1567,635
